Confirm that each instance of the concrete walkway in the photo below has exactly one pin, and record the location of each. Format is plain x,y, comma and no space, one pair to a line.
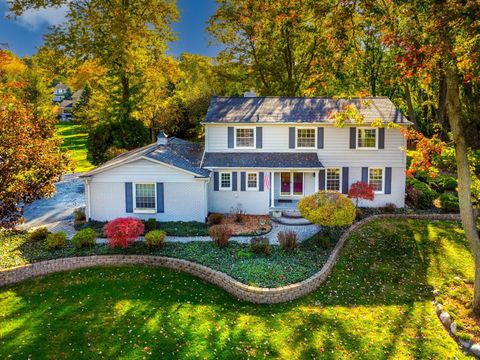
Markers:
304,232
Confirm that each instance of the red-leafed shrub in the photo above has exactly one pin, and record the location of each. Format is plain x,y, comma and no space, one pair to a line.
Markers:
361,190
121,232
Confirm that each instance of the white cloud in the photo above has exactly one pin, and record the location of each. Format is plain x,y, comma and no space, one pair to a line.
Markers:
34,19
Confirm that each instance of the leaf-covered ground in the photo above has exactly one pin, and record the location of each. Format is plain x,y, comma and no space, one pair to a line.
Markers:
376,304
74,141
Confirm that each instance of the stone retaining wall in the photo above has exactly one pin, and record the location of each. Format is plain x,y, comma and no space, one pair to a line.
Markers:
234,287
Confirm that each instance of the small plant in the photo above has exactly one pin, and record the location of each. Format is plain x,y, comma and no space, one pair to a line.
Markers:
324,241
359,214
288,240
327,209
238,214
84,238
215,219
220,234
423,195
122,232
389,208
56,240
80,216
361,190
155,239
151,224
39,234
449,202
260,245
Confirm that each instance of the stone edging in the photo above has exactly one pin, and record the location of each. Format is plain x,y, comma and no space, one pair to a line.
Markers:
232,286
469,346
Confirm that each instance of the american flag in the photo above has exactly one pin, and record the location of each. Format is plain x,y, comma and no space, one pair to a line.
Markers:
266,180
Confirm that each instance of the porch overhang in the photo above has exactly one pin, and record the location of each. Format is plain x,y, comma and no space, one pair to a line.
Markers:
263,160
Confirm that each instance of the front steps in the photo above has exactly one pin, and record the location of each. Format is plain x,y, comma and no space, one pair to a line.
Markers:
289,217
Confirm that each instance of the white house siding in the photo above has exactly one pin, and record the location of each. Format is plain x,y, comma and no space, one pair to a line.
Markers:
251,201
185,198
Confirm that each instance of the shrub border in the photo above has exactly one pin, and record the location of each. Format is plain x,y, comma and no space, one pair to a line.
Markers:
234,287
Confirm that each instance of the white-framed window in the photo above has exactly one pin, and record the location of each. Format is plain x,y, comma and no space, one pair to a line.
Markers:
367,138
306,138
145,196
333,179
225,179
252,181
376,179
245,137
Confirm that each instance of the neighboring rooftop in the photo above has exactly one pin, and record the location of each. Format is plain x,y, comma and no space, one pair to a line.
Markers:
177,152
61,87
262,160
297,109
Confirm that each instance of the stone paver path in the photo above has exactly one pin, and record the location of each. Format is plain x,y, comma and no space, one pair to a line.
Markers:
304,232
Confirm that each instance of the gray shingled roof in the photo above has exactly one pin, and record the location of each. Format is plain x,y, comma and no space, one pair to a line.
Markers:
178,153
297,109
262,160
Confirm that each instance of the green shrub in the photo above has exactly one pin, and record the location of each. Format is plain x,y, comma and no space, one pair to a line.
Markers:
95,225
215,219
288,240
443,183
220,234
39,234
424,194
155,238
325,242
449,202
327,209
260,245
151,224
56,240
84,238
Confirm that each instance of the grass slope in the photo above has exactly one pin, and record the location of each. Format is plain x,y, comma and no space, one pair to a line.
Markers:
376,304
74,141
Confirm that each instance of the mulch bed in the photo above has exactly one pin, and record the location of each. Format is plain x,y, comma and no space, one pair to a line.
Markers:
250,224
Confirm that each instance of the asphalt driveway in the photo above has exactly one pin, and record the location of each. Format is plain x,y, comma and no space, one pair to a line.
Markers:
60,207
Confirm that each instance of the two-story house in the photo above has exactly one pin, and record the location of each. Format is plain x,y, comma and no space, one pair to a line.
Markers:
260,154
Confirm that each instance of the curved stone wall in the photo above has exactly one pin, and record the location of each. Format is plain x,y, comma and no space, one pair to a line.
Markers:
234,287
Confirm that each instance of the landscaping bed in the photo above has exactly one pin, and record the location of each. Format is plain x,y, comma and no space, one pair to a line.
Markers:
237,260
376,304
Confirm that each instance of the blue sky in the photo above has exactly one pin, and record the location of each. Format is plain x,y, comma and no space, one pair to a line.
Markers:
24,34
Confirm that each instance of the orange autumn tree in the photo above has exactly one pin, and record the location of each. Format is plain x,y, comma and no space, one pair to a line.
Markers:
30,161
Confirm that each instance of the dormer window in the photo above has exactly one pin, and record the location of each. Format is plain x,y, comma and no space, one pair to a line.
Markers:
367,138
306,138
245,137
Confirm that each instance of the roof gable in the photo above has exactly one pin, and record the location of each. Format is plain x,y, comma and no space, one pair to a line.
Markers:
297,109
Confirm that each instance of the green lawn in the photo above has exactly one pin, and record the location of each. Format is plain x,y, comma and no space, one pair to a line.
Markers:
74,141
376,304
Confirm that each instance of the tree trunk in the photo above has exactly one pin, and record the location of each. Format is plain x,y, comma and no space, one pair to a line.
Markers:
454,114
411,113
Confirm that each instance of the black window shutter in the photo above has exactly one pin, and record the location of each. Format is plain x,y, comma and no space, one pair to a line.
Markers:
260,181
242,181
353,138
259,135
128,197
321,180
320,137
388,180
160,198
381,138
230,137
215,181
291,138
234,181
345,180
365,175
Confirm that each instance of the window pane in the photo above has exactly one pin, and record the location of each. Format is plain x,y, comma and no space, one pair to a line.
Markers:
297,183
375,179
245,137
145,196
306,138
333,179
225,180
285,183
367,138
252,180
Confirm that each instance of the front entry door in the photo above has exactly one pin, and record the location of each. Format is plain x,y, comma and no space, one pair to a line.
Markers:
291,184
